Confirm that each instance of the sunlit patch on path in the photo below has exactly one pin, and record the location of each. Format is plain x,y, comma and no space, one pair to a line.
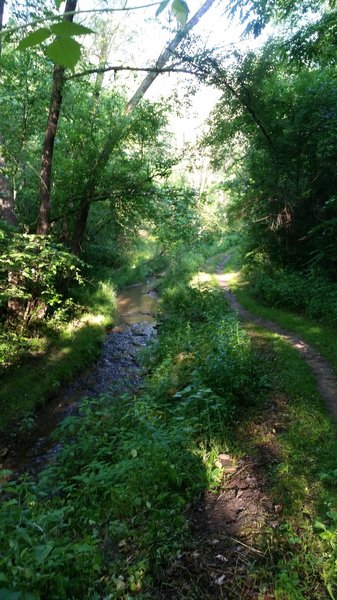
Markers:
325,378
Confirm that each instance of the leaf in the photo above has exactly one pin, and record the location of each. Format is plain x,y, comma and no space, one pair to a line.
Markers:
134,453
319,525
162,7
34,38
64,51
41,552
180,11
332,514
67,29
6,594
331,594
82,548
58,3
24,535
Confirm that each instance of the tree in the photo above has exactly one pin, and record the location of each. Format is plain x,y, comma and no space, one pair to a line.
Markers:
279,120
50,135
112,139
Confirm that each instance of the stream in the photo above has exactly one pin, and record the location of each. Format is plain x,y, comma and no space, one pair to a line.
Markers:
116,371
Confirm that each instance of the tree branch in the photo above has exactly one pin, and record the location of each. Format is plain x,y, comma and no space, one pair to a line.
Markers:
116,68
74,13
166,55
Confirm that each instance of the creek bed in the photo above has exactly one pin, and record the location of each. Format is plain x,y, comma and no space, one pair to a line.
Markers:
116,371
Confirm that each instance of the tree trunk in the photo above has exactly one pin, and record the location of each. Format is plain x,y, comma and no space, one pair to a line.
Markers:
6,194
166,54
50,135
110,143
2,6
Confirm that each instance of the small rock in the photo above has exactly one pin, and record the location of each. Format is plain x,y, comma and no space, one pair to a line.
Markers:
229,470
221,558
220,580
225,459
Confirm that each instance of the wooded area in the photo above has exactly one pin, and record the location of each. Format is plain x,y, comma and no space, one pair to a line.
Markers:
208,468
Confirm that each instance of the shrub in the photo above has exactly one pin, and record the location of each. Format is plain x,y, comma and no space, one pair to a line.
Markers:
307,293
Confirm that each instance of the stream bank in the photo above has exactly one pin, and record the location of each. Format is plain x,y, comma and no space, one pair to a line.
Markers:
29,447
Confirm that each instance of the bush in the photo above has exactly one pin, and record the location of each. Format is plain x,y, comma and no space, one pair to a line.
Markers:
307,293
111,512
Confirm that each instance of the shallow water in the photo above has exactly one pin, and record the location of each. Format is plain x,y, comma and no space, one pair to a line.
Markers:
116,371
137,303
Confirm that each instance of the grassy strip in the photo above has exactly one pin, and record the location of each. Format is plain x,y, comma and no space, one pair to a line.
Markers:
110,519
298,439
319,336
298,442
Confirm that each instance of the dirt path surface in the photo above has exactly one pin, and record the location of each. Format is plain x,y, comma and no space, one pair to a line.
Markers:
227,528
230,526
325,378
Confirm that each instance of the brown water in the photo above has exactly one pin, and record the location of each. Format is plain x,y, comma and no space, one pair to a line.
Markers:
137,303
116,371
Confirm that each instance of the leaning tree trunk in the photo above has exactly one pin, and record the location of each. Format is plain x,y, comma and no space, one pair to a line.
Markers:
50,135
110,143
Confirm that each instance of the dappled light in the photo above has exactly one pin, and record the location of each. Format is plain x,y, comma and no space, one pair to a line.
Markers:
168,300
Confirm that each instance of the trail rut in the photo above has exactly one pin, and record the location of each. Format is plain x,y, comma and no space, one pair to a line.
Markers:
325,378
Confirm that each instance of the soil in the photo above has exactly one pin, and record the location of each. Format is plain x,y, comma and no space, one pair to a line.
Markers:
325,378
229,527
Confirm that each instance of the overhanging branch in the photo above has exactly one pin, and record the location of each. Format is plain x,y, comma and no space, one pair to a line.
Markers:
116,68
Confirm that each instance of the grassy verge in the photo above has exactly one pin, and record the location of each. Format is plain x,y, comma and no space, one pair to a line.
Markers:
63,348
297,439
319,336
112,517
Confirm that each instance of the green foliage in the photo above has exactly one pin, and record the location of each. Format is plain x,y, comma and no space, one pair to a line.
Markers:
307,293
180,10
116,497
31,268
64,51
276,122
67,343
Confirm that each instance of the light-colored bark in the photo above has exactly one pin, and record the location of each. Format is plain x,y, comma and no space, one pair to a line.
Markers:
110,143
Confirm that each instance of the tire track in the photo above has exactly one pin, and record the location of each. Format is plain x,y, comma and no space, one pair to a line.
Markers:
326,380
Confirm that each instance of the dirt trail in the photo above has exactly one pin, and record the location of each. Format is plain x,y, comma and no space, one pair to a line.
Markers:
230,526
325,378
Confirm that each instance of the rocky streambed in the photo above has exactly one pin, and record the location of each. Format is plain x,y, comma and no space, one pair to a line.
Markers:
117,371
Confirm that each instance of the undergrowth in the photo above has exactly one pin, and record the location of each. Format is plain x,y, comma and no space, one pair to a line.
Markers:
299,440
108,518
307,293
61,346
111,517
